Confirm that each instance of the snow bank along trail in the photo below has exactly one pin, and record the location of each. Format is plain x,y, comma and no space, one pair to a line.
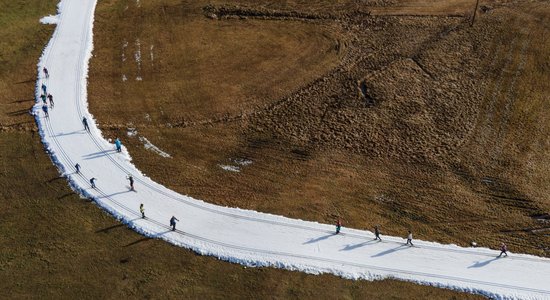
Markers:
242,236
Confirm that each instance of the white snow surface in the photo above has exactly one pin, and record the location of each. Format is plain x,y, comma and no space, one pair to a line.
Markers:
149,146
230,168
50,19
242,236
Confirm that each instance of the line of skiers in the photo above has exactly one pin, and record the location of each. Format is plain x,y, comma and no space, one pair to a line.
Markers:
118,143
173,219
93,179
45,96
409,238
48,97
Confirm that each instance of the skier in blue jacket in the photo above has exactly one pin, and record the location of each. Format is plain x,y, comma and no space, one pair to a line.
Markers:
45,109
118,145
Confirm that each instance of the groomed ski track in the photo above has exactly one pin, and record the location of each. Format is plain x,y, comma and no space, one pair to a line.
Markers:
242,236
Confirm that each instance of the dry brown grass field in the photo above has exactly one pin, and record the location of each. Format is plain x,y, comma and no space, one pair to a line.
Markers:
406,117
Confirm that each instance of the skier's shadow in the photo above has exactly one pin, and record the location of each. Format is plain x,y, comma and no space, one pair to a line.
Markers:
107,229
402,247
481,264
324,237
98,154
114,194
147,238
69,133
351,247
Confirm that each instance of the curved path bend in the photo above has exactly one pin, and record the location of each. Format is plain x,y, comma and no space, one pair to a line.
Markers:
246,237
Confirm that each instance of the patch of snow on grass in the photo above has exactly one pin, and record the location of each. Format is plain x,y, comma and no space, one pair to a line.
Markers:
124,46
230,168
131,132
51,19
137,57
242,161
237,164
149,146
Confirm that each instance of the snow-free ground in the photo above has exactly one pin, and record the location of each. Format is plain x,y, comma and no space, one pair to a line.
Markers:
236,235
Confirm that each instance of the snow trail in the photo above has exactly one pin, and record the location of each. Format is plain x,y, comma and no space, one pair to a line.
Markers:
242,236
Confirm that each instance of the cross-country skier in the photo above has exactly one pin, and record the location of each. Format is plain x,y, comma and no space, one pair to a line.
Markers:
131,179
85,123
77,167
45,70
142,210
92,182
45,109
118,145
377,233
173,222
338,225
50,97
410,239
44,89
43,97
503,250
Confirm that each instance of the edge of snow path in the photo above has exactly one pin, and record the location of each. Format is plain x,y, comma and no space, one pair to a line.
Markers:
234,253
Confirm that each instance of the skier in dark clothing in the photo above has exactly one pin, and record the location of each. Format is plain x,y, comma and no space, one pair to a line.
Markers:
173,222
44,89
43,97
131,179
377,233
50,97
142,211
77,167
46,72
118,145
503,250
92,182
45,109
85,123
338,225
409,239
